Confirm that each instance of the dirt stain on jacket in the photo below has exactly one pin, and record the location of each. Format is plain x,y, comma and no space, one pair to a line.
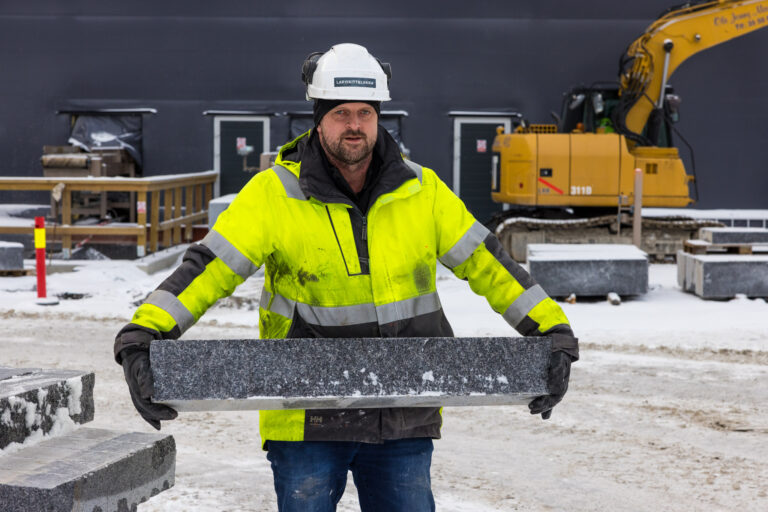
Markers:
304,276
422,277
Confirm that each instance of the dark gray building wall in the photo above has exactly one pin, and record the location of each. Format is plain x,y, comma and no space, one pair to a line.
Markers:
186,57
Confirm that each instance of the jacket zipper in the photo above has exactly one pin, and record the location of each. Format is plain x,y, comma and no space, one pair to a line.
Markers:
365,228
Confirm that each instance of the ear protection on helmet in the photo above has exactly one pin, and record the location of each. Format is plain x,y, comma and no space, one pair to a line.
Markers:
309,67
386,67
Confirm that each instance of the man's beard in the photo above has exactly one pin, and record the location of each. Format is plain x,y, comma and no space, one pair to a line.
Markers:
346,155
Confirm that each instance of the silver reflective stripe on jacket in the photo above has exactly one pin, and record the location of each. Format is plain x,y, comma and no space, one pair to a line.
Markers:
228,253
280,305
527,300
408,308
169,303
290,183
337,316
415,168
466,245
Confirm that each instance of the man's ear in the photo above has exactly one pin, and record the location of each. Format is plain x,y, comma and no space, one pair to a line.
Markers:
319,129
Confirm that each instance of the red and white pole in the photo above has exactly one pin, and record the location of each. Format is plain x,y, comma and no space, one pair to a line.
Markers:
40,263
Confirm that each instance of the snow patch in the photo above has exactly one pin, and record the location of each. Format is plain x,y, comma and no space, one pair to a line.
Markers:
427,377
62,425
75,388
5,418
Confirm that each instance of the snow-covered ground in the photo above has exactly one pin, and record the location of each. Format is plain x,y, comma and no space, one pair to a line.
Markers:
666,409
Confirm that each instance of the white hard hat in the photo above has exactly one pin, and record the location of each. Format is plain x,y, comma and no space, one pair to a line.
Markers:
346,72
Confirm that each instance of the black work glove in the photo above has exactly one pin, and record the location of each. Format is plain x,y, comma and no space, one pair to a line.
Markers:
565,349
138,375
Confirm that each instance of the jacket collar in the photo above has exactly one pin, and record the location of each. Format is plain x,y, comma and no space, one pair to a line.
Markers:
303,157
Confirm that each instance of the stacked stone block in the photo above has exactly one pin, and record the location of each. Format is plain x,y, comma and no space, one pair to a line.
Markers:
723,276
11,256
724,263
47,464
733,236
589,269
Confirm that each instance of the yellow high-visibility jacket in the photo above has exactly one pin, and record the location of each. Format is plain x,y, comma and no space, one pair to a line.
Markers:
333,271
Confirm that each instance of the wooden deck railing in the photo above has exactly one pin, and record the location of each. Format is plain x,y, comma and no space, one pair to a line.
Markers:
192,191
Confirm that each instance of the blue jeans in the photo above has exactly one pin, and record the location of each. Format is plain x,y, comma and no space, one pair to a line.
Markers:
310,476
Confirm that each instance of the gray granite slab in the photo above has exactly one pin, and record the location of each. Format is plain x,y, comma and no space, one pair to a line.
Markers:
322,373
32,401
11,256
722,276
588,269
734,235
88,470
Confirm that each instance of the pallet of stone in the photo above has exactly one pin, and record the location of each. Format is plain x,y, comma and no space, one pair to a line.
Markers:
723,276
17,273
87,470
728,240
35,402
697,246
734,236
320,373
589,269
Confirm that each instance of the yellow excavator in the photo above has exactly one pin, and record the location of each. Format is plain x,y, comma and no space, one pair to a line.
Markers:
571,181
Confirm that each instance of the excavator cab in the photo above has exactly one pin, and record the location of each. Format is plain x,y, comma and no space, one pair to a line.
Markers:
591,110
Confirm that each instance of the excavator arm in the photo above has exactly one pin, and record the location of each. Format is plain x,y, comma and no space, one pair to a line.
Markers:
678,34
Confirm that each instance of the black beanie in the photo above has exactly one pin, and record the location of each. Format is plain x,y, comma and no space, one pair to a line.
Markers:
322,107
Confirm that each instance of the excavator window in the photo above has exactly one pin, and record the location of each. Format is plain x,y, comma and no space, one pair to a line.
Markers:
589,110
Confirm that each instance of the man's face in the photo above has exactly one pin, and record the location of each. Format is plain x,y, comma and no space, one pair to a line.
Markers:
348,132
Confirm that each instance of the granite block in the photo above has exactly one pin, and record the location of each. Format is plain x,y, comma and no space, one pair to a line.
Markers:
218,205
589,269
11,256
194,375
685,271
722,276
727,236
88,470
32,401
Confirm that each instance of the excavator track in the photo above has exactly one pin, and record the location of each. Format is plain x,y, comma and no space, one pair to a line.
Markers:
661,237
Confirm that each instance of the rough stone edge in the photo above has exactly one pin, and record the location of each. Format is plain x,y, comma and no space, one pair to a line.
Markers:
14,427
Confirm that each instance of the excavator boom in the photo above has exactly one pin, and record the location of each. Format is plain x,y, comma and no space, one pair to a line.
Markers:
669,41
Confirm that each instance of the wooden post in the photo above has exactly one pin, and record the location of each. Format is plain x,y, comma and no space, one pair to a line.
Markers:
199,197
176,215
189,202
154,220
637,219
66,220
141,211
168,212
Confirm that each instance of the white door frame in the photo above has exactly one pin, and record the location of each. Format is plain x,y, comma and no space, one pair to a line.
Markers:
457,122
217,142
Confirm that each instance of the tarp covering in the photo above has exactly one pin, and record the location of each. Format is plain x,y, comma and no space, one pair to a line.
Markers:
108,132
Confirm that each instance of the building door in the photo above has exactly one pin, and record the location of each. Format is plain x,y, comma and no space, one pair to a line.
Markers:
473,160
238,144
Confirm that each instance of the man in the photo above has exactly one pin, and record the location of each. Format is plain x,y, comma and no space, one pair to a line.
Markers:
350,234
